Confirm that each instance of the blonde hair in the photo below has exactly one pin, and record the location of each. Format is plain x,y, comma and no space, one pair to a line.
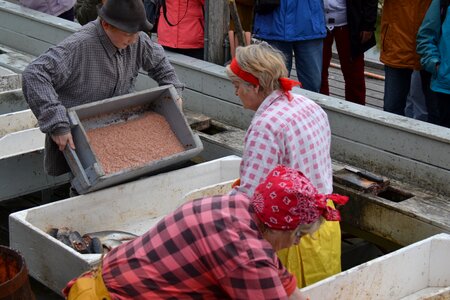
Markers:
312,227
262,61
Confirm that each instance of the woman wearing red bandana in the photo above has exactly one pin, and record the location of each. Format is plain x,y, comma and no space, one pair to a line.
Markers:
291,130
220,247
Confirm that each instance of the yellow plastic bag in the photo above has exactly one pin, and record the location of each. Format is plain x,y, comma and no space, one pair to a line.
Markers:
316,257
89,288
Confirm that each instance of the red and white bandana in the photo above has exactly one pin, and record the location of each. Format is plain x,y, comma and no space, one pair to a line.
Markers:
287,199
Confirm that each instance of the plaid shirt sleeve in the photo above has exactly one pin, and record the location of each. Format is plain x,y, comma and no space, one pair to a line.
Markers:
157,65
38,83
258,280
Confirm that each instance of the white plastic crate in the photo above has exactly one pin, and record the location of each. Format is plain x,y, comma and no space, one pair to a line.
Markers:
418,271
133,207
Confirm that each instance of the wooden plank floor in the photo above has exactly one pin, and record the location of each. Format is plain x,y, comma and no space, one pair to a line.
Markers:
374,86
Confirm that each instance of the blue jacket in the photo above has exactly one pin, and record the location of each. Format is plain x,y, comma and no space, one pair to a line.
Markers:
293,20
435,48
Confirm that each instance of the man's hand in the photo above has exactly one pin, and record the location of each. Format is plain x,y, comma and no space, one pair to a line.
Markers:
365,36
63,140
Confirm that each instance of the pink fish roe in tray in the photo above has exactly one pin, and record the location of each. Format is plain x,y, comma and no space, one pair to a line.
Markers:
133,143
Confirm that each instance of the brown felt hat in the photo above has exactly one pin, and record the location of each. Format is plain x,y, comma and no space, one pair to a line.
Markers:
126,15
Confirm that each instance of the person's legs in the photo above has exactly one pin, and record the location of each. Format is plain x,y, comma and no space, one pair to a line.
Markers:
415,103
432,102
308,62
444,108
440,103
396,88
286,48
352,67
326,59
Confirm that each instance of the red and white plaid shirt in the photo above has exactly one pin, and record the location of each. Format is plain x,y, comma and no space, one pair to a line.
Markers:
293,133
207,249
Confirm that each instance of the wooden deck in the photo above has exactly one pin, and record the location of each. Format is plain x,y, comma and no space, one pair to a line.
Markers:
374,75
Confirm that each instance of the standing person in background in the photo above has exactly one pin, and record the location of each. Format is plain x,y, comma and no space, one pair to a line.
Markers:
351,24
400,21
433,45
291,130
296,26
58,8
181,27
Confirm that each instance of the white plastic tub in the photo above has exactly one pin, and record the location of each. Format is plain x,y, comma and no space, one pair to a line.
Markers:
133,207
418,271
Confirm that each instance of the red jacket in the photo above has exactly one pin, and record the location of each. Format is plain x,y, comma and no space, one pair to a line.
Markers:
189,21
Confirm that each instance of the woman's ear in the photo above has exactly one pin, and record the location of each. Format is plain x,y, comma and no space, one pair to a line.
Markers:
256,89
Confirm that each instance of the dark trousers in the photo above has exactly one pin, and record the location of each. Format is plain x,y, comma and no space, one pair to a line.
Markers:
438,104
397,83
352,67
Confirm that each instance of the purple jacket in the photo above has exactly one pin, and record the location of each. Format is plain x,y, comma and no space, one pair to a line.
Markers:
51,7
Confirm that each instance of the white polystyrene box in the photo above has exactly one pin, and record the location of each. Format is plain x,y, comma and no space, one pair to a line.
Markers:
419,270
133,207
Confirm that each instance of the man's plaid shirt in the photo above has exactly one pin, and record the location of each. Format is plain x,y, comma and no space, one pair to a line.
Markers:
207,249
84,68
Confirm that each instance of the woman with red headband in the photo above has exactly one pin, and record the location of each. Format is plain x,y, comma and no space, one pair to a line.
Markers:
220,247
291,130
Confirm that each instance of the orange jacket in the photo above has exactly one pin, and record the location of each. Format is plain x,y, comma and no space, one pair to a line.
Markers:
400,22
189,31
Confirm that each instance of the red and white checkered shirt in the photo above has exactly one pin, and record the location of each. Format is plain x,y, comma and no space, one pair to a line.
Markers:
207,249
293,133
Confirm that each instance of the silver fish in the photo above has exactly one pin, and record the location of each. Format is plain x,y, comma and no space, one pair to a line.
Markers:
111,243
111,235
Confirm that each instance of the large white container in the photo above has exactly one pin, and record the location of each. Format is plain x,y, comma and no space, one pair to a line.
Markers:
418,271
134,207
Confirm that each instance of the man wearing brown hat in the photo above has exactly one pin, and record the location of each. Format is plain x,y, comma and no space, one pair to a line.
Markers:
99,61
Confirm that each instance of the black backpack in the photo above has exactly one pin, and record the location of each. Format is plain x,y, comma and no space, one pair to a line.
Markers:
152,8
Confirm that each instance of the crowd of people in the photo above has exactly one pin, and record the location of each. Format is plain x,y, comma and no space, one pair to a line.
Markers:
277,229
416,85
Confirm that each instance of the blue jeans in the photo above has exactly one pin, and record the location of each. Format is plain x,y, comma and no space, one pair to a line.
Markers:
308,61
416,106
396,89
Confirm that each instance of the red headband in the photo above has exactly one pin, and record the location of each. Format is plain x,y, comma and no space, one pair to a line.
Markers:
286,84
236,69
287,199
